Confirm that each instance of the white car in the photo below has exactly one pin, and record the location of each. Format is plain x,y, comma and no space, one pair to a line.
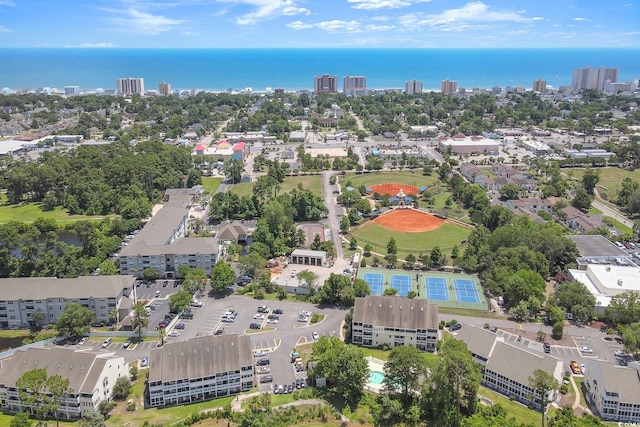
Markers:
619,353
258,316
585,350
197,304
82,341
174,333
272,321
258,353
305,313
315,335
263,370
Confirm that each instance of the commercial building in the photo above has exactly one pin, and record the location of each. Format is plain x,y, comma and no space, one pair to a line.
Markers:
606,279
325,84
72,90
461,144
202,368
501,372
308,257
24,296
130,85
393,321
354,85
614,391
164,88
593,78
162,243
412,87
91,377
540,86
448,86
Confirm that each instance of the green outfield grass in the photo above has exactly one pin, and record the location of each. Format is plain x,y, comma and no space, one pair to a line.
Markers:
29,212
312,183
610,178
446,237
413,177
211,184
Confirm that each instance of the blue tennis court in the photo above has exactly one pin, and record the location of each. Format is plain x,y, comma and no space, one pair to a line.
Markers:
375,282
466,290
437,289
402,283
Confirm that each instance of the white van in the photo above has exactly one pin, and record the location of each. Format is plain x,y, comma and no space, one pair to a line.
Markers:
620,245
106,342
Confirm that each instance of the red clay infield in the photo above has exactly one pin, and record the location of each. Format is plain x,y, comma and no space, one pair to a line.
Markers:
409,220
393,189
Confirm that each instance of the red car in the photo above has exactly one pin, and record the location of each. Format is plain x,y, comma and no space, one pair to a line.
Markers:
161,325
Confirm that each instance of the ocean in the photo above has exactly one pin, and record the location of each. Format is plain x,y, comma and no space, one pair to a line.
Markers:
293,69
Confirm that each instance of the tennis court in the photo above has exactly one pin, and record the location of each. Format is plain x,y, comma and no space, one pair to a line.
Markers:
437,289
466,290
375,282
402,283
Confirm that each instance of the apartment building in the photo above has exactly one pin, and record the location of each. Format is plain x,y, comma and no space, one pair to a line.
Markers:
506,368
412,87
91,377
162,243
540,86
325,84
448,86
202,368
23,296
130,85
354,85
614,391
393,321
164,88
593,78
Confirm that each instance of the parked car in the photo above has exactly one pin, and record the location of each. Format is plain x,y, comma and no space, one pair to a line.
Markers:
258,353
575,368
619,353
180,326
228,319
315,335
272,321
547,347
126,344
255,326
263,370
161,325
585,350
278,311
455,327
305,313
82,340
263,361
258,316
106,342
144,362
174,333
494,329
263,309
303,319
197,304
187,315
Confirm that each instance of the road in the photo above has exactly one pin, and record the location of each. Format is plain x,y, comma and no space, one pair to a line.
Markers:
613,213
334,210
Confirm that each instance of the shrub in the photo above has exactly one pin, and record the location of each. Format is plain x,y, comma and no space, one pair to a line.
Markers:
314,318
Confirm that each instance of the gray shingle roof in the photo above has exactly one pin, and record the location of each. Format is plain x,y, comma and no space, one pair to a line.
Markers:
479,341
620,379
82,368
518,365
16,288
199,357
396,312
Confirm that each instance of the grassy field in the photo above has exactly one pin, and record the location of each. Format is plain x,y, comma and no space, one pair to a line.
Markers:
29,212
414,177
521,413
312,183
445,236
610,178
211,184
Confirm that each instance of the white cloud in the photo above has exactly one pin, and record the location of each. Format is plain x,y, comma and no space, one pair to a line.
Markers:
579,19
299,25
538,18
5,29
102,44
264,10
6,3
336,26
137,21
383,4
380,18
372,27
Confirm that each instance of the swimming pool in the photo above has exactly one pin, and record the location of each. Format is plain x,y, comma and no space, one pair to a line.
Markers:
376,377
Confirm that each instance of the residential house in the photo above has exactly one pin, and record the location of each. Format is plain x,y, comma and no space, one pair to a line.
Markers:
202,368
393,321
234,232
614,391
472,172
575,219
500,169
91,377
24,296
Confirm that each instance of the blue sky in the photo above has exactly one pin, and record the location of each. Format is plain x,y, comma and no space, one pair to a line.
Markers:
319,23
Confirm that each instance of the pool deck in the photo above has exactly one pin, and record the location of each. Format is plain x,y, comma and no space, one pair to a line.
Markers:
374,365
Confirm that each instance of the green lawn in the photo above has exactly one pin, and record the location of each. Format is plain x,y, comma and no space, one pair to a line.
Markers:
445,236
312,183
409,177
29,212
610,178
521,413
211,184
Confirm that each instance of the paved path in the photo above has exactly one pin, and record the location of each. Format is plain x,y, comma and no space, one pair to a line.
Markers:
613,213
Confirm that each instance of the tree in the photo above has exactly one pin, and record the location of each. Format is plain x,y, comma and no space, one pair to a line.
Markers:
309,280
404,371
575,298
361,288
623,308
451,390
582,200
37,319
74,321
133,371
233,170
150,274
121,388
590,179
57,388
20,419
41,393
108,268
252,263
92,419
344,367
435,256
344,225
367,250
520,312
105,407
389,292
222,277
558,330
510,191
631,338
179,301
139,319
542,383
194,280
392,249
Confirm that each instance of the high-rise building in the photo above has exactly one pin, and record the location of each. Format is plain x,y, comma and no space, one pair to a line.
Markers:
129,85
448,86
164,88
325,84
354,85
540,85
412,87
72,90
593,78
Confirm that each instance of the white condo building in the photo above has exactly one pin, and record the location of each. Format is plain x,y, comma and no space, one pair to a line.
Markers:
354,85
412,87
129,85
593,78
